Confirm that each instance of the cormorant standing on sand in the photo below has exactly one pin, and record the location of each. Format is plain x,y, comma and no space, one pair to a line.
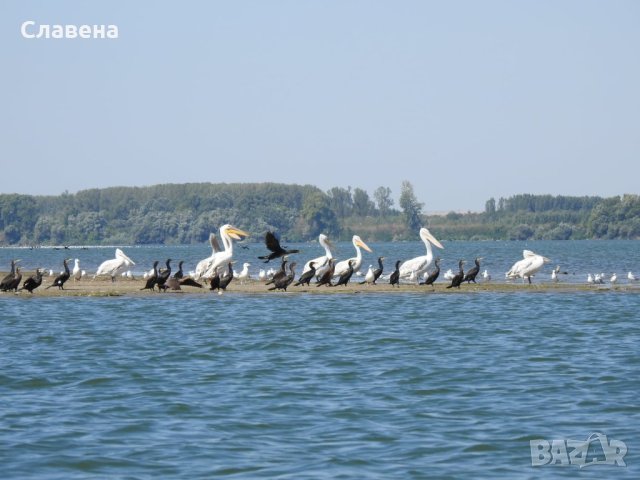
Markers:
163,276
283,283
6,281
14,283
33,282
394,279
63,277
307,276
458,278
473,272
346,276
325,279
280,273
151,281
433,276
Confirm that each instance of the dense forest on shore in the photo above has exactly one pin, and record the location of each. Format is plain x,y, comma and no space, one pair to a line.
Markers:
186,213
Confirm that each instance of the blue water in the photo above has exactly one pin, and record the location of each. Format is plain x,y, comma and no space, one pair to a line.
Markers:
317,386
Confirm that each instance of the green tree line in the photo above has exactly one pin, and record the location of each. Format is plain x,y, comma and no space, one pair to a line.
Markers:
186,213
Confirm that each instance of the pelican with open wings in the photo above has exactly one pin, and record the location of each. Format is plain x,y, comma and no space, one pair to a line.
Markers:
228,233
203,265
419,265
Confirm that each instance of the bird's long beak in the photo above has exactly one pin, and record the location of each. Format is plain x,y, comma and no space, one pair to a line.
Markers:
236,233
433,240
545,260
360,243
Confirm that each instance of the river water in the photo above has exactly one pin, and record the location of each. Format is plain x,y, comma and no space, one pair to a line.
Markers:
381,386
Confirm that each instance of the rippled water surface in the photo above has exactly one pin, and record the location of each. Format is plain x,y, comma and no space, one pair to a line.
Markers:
320,386
314,386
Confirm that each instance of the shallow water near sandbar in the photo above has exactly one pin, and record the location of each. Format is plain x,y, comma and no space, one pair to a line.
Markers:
314,386
352,386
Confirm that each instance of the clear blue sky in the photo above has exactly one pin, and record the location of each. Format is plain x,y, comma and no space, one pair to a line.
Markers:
466,99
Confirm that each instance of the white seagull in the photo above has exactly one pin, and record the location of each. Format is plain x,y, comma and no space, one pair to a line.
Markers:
76,272
244,273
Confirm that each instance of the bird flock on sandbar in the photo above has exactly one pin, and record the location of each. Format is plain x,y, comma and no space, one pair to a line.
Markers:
217,271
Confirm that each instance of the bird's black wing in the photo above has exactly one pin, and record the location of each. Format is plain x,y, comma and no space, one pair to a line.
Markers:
272,242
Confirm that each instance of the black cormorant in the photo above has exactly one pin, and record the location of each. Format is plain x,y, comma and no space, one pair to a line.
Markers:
7,280
307,276
179,274
33,282
63,277
378,271
280,273
394,279
433,276
14,283
226,279
163,276
284,282
346,276
458,278
151,281
325,279
273,244
472,273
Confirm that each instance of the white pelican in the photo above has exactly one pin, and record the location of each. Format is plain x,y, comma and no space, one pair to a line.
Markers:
244,273
528,266
114,266
486,276
343,266
590,279
203,265
228,233
613,279
420,264
321,263
631,277
76,272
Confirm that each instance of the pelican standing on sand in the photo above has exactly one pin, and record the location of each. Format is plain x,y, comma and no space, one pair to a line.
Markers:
530,264
420,264
114,266
343,266
321,263
228,233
